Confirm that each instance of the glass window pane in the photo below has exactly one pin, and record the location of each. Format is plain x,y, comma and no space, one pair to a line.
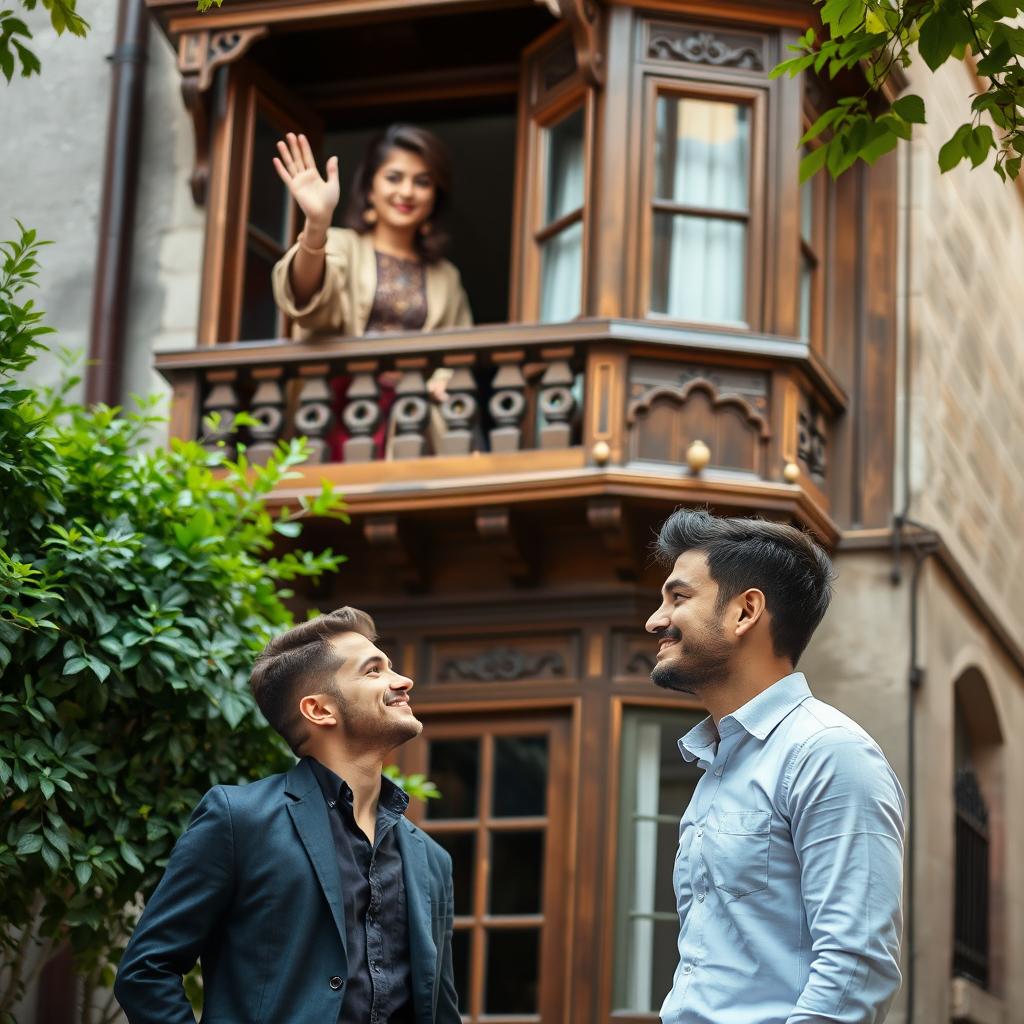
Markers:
806,298
561,280
513,962
807,210
259,312
461,942
565,166
653,957
656,786
699,268
517,872
520,776
462,847
454,768
702,153
268,198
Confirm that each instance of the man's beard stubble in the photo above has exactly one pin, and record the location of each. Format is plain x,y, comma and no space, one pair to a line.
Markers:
369,729
702,661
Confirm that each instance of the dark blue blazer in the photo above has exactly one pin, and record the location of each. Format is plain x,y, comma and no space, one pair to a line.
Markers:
252,890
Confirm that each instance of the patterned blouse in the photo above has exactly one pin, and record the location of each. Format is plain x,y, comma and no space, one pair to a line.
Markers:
400,302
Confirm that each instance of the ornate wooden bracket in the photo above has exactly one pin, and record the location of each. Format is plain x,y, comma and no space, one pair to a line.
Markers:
611,520
399,550
512,546
199,56
585,23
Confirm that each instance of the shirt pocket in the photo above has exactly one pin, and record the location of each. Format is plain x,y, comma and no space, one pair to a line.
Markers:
738,856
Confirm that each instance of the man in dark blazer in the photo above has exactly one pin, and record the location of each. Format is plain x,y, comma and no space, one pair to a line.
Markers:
307,897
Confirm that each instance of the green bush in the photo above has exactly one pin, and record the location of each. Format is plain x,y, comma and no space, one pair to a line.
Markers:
136,585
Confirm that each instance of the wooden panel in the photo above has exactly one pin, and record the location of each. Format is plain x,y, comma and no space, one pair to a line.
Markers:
877,384
535,657
664,421
633,654
704,45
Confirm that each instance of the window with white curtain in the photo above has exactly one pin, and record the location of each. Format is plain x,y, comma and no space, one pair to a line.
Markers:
701,209
656,785
560,238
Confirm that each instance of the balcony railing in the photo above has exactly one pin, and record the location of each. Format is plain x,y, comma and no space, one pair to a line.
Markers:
533,411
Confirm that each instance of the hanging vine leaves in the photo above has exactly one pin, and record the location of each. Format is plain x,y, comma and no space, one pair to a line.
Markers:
879,36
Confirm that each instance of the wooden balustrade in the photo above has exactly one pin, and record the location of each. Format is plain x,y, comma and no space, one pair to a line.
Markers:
502,402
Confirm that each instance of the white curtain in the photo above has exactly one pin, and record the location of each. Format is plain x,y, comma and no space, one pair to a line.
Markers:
562,255
703,160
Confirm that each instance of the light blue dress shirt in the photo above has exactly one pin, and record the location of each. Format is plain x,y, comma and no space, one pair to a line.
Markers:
789,872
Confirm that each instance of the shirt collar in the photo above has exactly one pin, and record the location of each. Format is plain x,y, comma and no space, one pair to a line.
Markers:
335,789
762,714
758,717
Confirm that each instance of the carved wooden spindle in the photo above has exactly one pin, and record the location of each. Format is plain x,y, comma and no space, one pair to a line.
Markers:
267,406
507,405
557,406
221,400
409,416
361,416
313,416
460,412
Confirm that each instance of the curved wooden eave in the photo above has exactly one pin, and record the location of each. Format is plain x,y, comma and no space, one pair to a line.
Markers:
572,481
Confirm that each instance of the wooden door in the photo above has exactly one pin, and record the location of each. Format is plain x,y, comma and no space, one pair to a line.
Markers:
503,816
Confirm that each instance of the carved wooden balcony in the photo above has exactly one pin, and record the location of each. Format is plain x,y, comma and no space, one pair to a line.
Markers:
578,411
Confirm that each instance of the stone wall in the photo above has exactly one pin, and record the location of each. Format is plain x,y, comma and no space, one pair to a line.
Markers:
966,253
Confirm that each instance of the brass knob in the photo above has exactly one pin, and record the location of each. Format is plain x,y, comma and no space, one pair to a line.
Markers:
698,455
601,452
791,473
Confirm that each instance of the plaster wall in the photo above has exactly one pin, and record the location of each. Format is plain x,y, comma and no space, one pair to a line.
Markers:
954,640
53,129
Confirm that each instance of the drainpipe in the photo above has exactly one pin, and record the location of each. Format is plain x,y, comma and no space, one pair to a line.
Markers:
117,207
922,552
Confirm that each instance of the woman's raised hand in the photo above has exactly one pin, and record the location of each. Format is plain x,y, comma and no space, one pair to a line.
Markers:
297,169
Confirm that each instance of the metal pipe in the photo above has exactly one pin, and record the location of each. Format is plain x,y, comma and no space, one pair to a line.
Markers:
117,208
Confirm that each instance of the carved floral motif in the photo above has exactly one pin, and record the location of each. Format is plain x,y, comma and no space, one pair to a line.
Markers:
706,48
502,665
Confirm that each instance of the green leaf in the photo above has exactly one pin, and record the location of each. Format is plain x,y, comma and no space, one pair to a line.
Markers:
910,108
953,151
940,35
821,124
812,163
29,844
978,144
74,666
47,788
83,872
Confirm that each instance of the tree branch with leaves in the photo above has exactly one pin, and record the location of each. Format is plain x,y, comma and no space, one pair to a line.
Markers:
880,36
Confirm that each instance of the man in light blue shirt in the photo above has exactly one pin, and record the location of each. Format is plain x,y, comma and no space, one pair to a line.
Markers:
789,873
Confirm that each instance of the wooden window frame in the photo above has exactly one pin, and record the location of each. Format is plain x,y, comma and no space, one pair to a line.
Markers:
539,111
557,721
246,89
621,706
815,251
756,98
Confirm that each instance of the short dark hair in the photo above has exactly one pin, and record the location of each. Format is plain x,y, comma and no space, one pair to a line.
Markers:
429,148
784,563
301,661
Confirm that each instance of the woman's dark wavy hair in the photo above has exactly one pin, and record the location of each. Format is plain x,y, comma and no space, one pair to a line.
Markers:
784,563
433,153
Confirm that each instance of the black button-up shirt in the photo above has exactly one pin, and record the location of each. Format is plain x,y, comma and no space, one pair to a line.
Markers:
379,985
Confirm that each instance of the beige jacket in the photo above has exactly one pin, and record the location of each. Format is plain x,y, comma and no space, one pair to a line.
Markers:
343,303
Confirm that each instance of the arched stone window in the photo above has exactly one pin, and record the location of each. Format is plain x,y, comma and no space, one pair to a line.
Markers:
978,801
